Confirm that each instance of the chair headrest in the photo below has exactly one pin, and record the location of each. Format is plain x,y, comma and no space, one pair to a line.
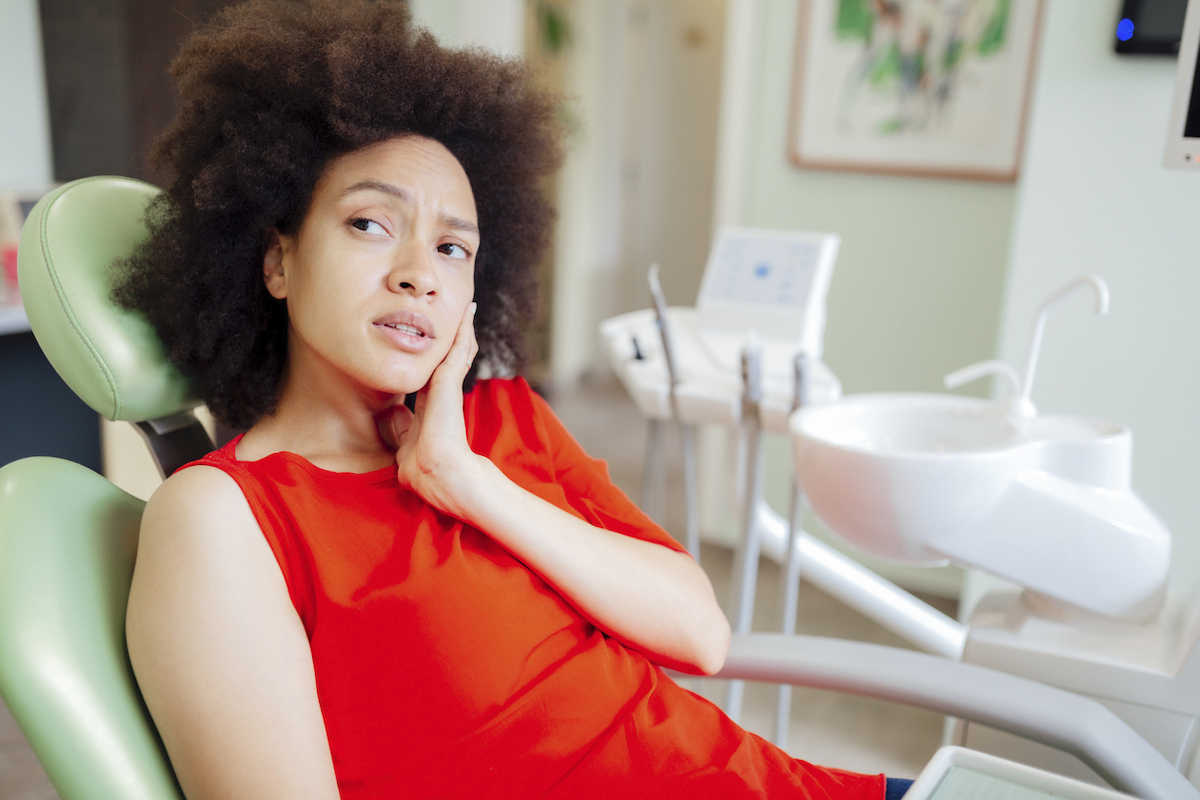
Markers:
109,356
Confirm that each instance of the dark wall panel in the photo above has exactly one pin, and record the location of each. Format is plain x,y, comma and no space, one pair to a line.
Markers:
39,414
87,83
106,76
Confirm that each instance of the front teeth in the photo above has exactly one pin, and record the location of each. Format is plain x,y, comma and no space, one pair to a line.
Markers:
406,329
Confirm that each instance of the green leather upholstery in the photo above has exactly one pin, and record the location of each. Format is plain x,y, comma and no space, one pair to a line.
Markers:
68,539
111,358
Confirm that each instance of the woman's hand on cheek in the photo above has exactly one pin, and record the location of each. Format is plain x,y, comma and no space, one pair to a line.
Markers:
433,457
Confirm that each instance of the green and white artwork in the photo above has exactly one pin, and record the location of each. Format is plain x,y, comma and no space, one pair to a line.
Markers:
933,87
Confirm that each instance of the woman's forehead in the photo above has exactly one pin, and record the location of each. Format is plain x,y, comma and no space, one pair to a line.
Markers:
409,155
413,168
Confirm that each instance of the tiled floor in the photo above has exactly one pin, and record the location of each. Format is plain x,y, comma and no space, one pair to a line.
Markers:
21,776
826,728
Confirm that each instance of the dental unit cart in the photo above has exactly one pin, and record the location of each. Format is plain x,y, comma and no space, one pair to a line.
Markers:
1043,501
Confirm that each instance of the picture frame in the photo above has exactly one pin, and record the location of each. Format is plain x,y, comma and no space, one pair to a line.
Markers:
936,88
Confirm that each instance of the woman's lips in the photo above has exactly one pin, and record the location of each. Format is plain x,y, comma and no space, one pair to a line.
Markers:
407,330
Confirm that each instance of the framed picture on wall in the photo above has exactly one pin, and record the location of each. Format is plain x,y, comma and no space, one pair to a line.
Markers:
917,87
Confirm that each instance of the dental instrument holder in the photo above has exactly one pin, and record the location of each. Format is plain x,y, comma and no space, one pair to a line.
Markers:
934,631
791,571
687,433
745,561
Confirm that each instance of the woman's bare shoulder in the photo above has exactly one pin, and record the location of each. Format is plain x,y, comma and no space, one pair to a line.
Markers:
198,535
201,503
199,538
199,489
199,542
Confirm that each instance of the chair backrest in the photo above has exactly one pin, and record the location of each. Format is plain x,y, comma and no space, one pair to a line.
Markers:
68,539
109,356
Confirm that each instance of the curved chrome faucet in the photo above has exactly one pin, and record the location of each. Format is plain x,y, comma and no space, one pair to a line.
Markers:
1039,325
1019,402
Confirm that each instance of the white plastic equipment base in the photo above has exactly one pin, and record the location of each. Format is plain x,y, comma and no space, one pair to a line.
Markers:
1147,674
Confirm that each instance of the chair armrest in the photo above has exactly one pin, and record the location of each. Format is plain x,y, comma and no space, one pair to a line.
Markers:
1061,719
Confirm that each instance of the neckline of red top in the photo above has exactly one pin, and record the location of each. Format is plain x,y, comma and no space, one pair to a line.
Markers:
380,475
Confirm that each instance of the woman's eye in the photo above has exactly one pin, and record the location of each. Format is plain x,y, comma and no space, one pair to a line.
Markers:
367,225
453,250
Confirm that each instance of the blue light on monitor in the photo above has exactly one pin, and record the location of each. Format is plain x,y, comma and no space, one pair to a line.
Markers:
1125,29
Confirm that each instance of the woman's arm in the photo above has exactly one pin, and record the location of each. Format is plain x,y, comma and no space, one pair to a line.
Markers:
220,654
653,598
647,595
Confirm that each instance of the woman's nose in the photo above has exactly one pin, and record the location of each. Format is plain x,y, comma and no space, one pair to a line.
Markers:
414,272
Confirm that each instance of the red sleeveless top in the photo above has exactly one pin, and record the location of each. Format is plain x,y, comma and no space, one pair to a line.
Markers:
446,668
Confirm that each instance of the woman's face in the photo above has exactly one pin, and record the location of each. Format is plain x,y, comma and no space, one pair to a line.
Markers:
382,269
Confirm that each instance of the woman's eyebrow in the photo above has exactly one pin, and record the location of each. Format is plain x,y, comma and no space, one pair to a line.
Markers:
405,195
379,186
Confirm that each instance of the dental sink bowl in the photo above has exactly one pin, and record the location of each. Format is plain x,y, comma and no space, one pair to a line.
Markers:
1043,501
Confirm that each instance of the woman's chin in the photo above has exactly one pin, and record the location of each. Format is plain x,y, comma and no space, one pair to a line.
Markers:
399,391
398,376
403,385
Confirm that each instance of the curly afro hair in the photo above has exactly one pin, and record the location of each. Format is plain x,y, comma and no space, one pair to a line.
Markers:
273,90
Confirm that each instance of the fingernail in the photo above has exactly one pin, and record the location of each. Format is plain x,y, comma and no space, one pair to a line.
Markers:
474,308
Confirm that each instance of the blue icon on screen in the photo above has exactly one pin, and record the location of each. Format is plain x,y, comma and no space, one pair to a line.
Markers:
762,270
1125,29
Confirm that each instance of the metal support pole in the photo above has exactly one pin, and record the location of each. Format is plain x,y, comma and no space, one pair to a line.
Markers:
790,574
653,470
687,433
745,561
687,440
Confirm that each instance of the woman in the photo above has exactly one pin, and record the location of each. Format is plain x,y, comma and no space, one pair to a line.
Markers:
360,597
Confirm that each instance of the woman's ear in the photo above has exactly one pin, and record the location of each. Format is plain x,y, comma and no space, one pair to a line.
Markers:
273,276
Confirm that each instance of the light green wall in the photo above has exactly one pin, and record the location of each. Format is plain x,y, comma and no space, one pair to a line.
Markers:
1096,198
920,278
918,284
497,25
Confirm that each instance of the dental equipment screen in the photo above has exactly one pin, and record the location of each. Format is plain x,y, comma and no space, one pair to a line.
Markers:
773,283
1183,137
764,271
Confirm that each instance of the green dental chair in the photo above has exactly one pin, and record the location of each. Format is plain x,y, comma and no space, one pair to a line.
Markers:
68,537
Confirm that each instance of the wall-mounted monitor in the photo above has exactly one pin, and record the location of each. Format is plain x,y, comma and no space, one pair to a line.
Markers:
1149,27
1183,133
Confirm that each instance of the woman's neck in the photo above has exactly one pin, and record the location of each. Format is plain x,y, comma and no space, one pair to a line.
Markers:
335,428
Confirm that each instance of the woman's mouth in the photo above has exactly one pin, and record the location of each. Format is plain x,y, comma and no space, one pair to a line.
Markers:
407,330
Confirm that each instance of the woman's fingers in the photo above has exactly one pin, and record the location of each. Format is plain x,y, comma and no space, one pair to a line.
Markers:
399,423
462,352
432,449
